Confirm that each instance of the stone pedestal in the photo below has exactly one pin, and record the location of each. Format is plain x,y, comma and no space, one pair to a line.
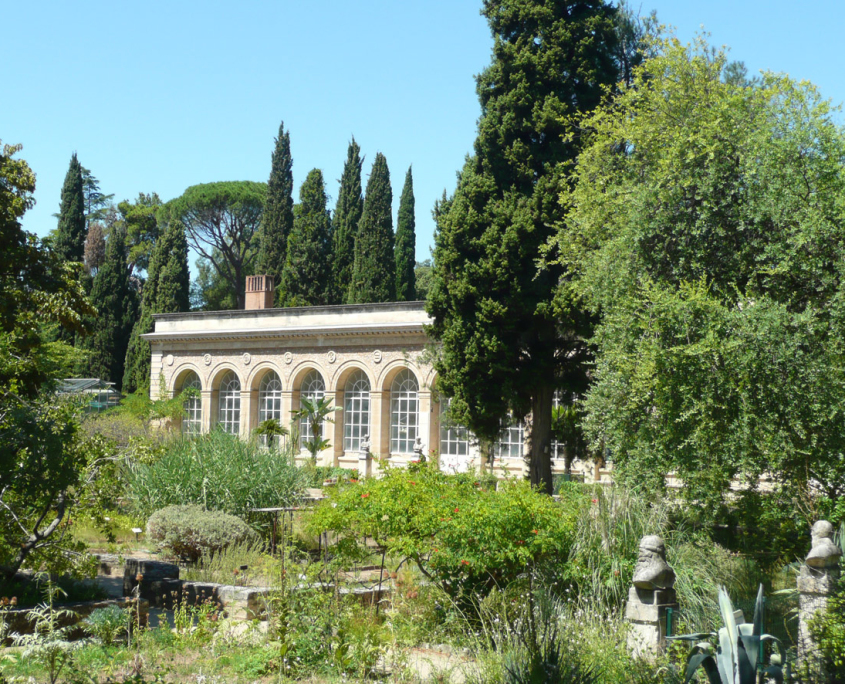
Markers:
646,615
150,571
815,586
365,465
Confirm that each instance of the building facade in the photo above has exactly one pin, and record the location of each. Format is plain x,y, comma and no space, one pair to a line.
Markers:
371,361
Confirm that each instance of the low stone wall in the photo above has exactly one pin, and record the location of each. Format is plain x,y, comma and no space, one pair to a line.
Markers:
18,618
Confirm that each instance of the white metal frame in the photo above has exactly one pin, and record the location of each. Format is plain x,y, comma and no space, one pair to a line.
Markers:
229,404
313,387
404,412
192,420
356,411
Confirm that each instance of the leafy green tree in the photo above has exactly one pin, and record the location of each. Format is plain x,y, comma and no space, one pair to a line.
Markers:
406,243
422,279
209,292
166,291
96,202
221,222
306,278
69,239
505,346
347,214
277,223
374,270
142,228
116,303
706,228
42,462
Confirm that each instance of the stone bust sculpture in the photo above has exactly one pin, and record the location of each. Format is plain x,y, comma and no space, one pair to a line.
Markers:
652,571
364,447
824,553
419,450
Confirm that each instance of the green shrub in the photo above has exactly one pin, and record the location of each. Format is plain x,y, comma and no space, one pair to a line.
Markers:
461,535
218,471
108,625
224,566
191,531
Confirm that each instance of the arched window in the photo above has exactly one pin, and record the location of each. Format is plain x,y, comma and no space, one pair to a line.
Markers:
269,400
454,439
356,411
192,420
313,388
229,404
404,413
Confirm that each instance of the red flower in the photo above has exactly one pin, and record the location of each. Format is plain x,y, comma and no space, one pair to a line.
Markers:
456,510
353,480
464,562
520,541
595,500
535,531
411,482
435,550
365,495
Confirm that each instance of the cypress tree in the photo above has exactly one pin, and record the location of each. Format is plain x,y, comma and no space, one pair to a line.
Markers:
166,291
116,304
277,222
347,214
306,278
507,341
374,272
406,242
69,240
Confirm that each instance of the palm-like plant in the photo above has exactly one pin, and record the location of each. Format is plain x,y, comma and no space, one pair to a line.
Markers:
736,657
272,430
316,411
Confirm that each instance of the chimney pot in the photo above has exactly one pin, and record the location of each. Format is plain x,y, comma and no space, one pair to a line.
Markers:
259,292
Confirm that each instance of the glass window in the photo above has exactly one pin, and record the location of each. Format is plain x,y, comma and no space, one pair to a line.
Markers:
269,401
404,413
313,388
356,411
557,447
192,420
229,404
509,444
454,439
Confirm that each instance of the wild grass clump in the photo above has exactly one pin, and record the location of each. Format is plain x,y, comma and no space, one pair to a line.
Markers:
227,565
219,472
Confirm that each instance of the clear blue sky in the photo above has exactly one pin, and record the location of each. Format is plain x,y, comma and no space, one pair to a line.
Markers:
158,96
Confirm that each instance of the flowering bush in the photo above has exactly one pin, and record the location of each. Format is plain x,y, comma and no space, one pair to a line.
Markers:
190,531
458,532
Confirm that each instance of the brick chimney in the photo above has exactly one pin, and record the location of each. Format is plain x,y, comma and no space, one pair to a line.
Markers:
259,292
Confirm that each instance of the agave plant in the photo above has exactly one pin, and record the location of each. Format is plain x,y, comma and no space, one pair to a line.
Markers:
738,653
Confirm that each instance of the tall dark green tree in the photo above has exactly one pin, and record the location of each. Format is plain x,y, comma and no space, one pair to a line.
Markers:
142,229
69,239
166,291
306,278
97,202
406,242
277,222
347,214
506,347
115,300
374,271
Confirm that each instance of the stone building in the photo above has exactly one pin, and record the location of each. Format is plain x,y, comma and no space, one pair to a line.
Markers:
369,359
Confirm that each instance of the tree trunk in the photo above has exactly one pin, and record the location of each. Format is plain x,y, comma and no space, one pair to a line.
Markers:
539,435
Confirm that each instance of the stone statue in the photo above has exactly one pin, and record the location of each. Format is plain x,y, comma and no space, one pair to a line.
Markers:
419,450
652,571
824,554
364,447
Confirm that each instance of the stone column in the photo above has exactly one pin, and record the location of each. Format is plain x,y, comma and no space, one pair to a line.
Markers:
649,599
206,397
249,412
425,421
328,457
817,580
380,422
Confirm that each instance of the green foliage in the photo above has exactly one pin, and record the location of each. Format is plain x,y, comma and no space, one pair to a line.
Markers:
705,226
306,277
224,566
316,411
109,625
115,300
191,531
374,269
422,279
828,631
210,291
49,642
218,471
406,242
278,221
347,214
166,291
142,228
505,347
735,659
68,242
221,221
463,536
